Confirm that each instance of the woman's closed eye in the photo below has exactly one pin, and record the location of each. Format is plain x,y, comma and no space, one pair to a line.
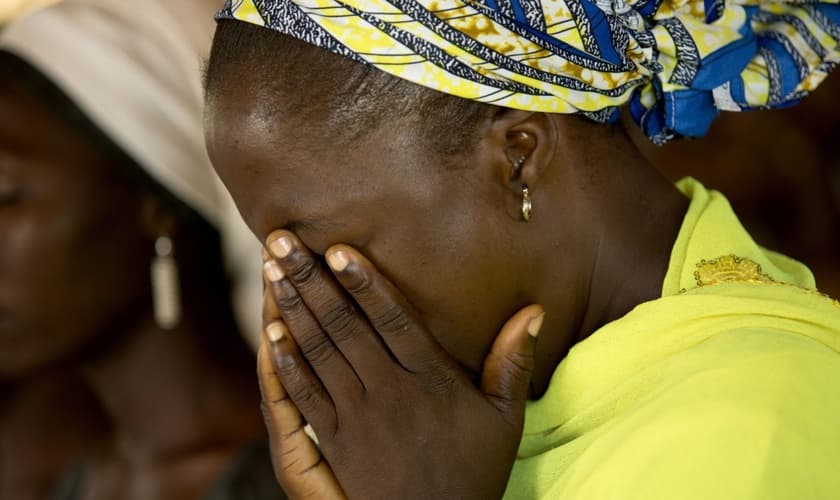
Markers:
319,235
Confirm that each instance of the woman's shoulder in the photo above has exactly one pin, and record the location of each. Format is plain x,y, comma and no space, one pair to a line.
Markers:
750,413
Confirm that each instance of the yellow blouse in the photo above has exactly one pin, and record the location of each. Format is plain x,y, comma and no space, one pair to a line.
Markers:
726,387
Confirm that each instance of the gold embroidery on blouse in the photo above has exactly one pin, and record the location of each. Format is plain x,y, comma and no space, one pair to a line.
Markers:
729,268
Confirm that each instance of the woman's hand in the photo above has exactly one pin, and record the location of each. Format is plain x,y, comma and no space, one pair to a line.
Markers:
396,417
298,464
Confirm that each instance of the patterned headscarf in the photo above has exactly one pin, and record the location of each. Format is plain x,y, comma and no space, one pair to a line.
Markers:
677,62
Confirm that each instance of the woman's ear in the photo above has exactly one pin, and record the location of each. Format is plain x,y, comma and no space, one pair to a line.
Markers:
527,142
523,146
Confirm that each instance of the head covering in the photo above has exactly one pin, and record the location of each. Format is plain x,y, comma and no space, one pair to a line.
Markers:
11,9
133,67
676,61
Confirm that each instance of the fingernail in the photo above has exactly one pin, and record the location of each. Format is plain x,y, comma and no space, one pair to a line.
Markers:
535,324
281,247
338,260
275,331
272,271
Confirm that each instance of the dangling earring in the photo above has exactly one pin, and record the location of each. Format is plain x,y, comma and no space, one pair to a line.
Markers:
526,203
526,195
166,293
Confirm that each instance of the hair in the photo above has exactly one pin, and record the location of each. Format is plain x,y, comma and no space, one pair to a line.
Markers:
349,98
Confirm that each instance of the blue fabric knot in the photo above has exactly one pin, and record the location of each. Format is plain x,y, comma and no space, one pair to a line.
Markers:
624,12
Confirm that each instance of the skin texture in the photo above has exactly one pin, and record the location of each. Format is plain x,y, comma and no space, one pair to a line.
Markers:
447,233
78,239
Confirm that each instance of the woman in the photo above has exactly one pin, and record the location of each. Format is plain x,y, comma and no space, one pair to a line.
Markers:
112,263
675,357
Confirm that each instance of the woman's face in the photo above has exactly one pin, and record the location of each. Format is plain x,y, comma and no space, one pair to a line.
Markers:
73,262
444,236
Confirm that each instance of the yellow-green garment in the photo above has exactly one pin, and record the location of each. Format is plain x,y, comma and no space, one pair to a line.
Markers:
726,387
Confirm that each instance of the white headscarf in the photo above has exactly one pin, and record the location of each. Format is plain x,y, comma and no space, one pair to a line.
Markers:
12,9
133,67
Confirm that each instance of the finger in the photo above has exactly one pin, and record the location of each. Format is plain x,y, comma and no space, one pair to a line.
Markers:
506,377
388,311
299,381
318,349
298,464
271,314
332,308
270,311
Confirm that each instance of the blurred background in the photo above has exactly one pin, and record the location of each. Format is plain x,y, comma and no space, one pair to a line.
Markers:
129,285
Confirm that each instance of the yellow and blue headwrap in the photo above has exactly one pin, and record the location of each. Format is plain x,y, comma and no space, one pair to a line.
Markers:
677,62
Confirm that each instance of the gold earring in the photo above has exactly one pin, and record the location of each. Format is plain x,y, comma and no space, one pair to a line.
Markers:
526,203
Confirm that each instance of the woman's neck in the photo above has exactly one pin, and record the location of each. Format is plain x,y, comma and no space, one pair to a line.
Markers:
638,215
641,221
